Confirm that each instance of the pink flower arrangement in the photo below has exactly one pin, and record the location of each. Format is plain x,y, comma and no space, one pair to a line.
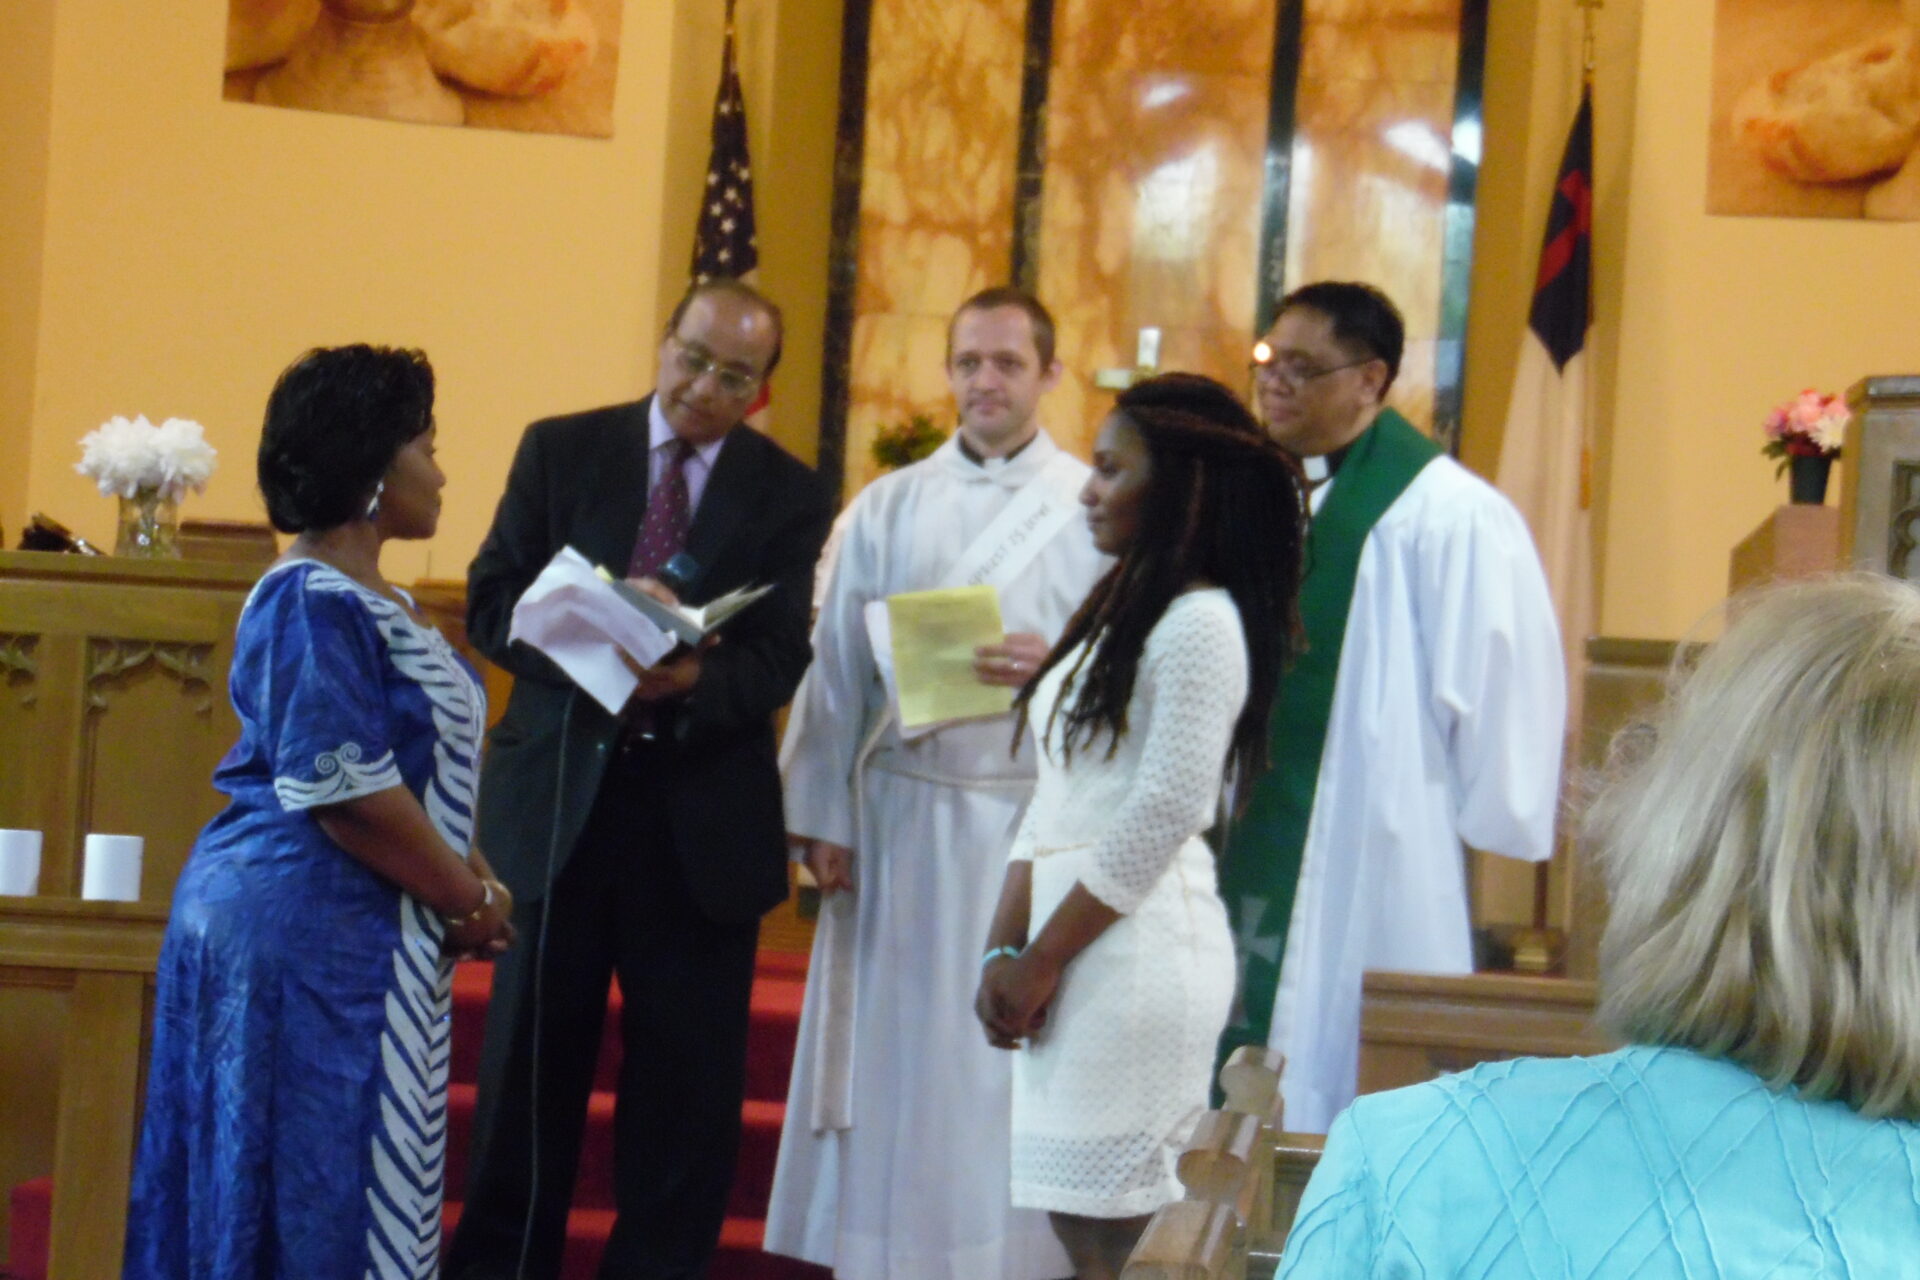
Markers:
1808,426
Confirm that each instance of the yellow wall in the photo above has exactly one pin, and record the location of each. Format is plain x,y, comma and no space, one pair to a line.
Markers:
26,78
194,246
1719,319
1702,322
166,252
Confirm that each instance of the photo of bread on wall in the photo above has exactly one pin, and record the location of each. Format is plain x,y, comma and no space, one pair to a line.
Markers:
543,66
1816,109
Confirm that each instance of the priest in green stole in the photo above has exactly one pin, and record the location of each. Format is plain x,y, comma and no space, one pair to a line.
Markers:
1426,714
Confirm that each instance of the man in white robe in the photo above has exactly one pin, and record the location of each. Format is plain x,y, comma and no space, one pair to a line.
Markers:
1426,715
894,1161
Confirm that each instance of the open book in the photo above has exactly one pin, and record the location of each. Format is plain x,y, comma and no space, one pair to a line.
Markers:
688,623
599,631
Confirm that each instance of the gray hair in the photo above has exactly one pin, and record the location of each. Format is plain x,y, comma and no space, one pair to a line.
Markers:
1762,851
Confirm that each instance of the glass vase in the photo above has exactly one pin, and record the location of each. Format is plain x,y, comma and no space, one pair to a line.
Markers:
149,527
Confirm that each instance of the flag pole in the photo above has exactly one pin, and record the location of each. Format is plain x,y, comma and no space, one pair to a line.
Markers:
1588,8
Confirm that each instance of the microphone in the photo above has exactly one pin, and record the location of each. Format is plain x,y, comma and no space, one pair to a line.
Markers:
676,575
679,574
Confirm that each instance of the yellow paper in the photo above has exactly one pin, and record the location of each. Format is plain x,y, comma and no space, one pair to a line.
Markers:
934,636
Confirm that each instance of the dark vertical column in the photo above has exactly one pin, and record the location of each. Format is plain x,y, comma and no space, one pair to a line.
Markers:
1030,175
1463,182
1288,24
843,252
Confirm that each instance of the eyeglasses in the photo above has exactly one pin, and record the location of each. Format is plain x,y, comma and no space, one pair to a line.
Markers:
1295,371
697,363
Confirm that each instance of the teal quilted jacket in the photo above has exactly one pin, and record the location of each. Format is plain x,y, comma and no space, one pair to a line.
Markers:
1644,1163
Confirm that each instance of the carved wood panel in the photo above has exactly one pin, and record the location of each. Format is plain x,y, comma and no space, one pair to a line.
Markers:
113,706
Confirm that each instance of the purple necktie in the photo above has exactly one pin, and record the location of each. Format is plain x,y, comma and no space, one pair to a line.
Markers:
663,534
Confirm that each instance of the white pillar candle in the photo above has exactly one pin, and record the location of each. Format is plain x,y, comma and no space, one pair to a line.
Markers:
19,863
112,869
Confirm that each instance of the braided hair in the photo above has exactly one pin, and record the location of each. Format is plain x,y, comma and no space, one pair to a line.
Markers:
1223,505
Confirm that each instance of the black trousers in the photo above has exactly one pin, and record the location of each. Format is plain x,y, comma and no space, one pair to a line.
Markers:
620,905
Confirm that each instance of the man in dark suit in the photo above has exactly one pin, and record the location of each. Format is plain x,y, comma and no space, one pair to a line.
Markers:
647,844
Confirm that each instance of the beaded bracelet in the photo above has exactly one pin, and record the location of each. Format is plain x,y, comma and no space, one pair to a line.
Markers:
1010,953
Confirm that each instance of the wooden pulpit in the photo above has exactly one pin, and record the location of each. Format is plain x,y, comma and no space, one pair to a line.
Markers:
113,704
1800,540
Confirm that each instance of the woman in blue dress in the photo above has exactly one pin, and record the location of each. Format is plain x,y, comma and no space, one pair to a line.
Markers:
1761,962
296,1100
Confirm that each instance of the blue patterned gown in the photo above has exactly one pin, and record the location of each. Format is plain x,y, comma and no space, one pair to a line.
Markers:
296,1102
1643,1164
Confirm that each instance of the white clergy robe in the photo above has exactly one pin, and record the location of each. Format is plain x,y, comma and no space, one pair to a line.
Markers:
1448,717
915,1187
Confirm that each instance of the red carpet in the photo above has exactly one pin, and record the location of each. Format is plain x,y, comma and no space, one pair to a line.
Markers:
776,1018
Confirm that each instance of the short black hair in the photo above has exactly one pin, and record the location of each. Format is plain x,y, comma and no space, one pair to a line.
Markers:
729,286
335,421
1363,318
1006,295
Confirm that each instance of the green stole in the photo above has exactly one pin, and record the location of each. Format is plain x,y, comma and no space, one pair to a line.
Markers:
1263,846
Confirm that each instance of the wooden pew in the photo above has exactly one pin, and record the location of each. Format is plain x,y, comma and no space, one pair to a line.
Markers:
1243,1175
1415,1026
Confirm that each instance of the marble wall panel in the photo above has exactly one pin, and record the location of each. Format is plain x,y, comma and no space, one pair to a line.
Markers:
1151,184
902,361
1372,151
1154,168
941,140
1362,12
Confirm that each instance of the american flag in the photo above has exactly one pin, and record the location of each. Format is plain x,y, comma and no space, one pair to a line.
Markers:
725,245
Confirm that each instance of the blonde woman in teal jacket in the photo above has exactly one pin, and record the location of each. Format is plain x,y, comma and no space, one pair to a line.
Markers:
1762,964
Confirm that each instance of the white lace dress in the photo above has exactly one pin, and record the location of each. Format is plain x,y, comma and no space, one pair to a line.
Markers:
1105,1095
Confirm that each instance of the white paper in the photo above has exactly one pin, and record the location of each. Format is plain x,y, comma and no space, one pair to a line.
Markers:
19,863
112,869
880,639
577,619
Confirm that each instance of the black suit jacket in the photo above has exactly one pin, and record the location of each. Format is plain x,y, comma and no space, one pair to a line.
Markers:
581,481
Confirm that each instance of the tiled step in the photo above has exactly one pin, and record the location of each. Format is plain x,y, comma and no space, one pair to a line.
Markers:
32,1205
738,1257
777,995
752,1183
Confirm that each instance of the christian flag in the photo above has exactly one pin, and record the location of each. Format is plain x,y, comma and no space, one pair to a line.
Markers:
1545,456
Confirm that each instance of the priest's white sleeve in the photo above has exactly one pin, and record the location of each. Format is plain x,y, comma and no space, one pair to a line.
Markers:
1499,696
830,716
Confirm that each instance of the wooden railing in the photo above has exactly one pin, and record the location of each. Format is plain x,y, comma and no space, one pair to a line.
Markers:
99,958
1243,1175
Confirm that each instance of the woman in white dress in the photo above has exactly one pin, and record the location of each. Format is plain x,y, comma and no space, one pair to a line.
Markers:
1161,685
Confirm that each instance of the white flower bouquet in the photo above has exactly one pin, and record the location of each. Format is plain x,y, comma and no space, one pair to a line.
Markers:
125,457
